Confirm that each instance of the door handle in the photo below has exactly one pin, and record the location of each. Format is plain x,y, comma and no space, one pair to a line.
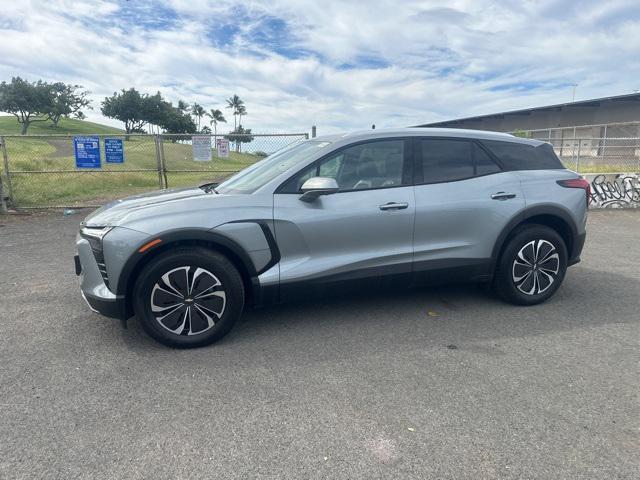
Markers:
503,196
394,206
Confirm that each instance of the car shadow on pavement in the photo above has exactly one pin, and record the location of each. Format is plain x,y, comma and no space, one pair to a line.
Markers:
445,316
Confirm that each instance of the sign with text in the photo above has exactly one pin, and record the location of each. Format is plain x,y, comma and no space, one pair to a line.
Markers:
113,150
201,148
222,147
87,152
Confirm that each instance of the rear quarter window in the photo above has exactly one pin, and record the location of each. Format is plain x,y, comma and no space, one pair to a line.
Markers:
520,156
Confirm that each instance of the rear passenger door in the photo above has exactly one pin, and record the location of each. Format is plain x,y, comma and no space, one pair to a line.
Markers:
463,201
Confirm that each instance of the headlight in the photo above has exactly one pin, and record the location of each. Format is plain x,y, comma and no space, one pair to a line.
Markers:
94,235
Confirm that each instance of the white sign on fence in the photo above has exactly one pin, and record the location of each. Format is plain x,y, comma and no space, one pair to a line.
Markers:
201,148
222,146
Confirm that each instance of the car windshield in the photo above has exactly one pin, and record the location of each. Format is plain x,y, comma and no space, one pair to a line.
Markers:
262,172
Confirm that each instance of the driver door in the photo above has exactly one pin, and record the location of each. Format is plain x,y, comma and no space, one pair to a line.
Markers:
363,231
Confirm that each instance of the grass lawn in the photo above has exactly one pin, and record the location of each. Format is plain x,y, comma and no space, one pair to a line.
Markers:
67,126
591,165
64,185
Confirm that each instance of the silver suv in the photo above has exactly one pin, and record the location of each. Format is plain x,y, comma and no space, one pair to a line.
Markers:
375,208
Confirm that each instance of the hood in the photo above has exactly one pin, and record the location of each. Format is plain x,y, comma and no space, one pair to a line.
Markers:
114,212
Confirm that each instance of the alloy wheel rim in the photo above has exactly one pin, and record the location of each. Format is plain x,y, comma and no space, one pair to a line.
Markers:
188,300
535,267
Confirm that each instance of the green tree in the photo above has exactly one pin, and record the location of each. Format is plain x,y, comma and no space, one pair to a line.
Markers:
239,136
154,110
128,106
67,101
198,111
235,103
216,116
183,106
521,133
29,102
175,120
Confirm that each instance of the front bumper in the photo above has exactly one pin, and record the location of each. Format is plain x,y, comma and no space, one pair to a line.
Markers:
92,285
115,308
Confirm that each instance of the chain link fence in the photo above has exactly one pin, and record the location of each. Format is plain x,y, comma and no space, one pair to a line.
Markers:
39,171
599,155
605,148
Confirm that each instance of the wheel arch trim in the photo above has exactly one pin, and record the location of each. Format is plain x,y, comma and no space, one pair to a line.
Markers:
531,212
210,237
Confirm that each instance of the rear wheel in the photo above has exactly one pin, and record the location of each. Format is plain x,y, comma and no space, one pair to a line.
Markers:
189,297
532,265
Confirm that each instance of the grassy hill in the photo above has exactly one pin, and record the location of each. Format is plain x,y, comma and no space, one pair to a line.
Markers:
43,171
67,126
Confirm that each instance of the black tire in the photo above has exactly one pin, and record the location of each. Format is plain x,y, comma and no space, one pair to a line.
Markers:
192,321
522,278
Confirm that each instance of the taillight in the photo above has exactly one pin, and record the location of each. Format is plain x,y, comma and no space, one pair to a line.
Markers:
577,183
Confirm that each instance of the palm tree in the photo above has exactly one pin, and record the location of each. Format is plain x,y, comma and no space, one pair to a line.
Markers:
198,111
242,110
183,106
216,116
235,103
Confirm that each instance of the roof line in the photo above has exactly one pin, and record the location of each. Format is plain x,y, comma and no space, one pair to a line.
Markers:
628,96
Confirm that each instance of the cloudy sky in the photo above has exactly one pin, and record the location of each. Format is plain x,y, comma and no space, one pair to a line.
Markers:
337,64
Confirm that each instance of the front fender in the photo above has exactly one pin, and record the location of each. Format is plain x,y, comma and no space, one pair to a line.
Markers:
250,242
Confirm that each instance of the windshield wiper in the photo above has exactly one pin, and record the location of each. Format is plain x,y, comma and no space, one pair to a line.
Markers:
210,187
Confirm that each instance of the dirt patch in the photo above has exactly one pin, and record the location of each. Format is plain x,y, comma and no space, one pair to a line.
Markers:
63,147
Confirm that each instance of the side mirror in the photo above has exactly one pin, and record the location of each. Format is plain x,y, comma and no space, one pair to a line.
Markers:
316,186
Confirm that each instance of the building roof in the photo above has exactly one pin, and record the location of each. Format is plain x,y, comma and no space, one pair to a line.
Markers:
595,102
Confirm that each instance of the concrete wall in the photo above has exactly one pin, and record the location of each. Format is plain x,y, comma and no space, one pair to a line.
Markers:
620,190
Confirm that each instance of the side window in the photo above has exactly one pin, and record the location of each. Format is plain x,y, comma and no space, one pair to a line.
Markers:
331,167
483,163
522,156
377,164
446,160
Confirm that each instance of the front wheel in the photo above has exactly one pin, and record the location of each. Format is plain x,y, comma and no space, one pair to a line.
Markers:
532,265
188,297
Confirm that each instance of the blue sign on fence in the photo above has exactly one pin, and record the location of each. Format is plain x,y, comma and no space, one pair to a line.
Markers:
87,151
113,150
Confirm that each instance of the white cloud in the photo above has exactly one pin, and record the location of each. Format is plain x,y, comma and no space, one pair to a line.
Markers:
369,62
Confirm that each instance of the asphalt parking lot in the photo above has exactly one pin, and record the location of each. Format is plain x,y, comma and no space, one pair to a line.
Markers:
432,383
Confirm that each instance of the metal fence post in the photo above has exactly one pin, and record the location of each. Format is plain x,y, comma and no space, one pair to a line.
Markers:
313,131
578,158
163,164
158,160
3,145
3,205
